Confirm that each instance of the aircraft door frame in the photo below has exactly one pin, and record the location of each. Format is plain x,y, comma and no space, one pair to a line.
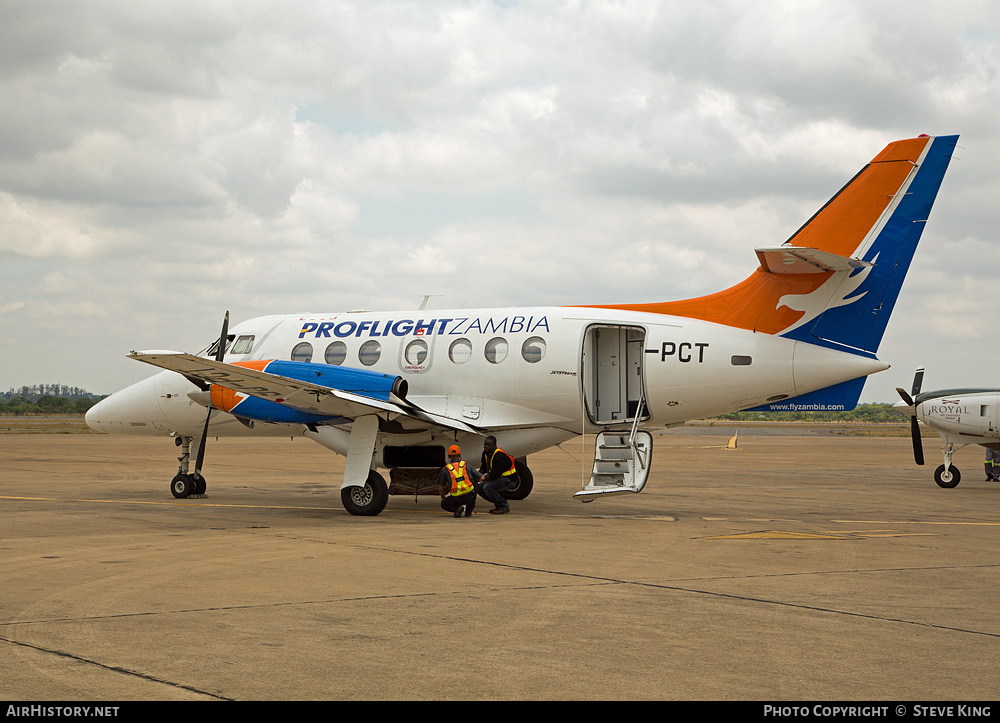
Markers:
612,373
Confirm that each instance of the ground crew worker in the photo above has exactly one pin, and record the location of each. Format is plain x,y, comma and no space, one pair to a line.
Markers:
499,474
457,484
992,463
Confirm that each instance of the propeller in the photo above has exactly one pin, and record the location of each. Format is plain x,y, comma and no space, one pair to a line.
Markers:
910,400
220,352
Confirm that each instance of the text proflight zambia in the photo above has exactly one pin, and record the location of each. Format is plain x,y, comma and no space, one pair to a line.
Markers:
405,327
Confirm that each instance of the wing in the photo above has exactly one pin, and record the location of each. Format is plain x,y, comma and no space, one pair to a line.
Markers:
270,390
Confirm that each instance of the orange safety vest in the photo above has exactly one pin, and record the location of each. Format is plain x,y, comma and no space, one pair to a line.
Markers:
460,482
512,469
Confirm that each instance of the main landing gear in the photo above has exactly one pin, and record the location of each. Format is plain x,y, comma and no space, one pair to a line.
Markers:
186,483
366,501
525,482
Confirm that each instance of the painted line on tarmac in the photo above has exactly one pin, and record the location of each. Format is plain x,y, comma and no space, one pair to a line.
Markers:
915,522
823,535
199,502
176,503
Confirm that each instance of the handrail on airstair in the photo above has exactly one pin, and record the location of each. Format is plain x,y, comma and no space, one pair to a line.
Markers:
635,430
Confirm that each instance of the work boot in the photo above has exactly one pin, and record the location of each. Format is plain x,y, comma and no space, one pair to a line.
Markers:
500,510
459,510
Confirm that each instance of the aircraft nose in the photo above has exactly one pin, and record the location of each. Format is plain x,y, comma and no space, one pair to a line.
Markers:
93,417
133,410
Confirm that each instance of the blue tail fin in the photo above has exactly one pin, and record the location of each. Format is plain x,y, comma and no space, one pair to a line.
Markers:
857,316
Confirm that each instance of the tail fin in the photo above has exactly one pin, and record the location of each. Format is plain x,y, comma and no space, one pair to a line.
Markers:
836,280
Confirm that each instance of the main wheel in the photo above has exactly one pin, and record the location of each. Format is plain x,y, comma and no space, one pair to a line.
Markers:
366,501
526,481
182,486
948,479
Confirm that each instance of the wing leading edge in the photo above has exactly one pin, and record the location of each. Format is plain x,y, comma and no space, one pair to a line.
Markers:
296,392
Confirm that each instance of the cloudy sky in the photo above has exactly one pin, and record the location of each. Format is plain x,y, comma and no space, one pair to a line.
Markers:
163,162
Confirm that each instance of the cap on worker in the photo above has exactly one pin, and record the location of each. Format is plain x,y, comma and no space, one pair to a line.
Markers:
454,451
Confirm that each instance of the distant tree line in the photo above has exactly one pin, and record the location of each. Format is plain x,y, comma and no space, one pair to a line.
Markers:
37,391
20,406
862,414
47,399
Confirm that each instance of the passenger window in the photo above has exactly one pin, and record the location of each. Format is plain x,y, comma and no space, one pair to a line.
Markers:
243,345
533,349
369,353
496,350
302,352
336,353
416,352
460,351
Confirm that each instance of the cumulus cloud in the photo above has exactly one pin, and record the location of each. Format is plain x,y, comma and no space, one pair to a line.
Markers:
162,163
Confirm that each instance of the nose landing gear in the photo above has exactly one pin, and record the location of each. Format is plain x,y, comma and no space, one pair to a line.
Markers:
185,484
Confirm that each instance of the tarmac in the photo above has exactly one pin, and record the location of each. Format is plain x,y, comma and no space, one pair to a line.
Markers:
791,568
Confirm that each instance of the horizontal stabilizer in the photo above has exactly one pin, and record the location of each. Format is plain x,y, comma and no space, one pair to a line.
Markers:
796,260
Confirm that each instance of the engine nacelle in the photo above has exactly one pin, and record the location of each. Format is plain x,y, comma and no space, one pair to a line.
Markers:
375,385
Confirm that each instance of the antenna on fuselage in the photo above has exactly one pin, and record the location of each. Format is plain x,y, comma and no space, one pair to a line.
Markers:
423,304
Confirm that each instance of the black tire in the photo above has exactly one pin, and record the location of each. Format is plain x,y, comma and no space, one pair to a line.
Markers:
200,485
525,483
366,501
182,486
949,480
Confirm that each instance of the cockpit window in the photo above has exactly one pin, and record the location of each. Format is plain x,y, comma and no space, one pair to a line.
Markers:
211,351
243,345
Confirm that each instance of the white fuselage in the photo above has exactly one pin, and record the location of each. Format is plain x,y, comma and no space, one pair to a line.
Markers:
963,416
535,375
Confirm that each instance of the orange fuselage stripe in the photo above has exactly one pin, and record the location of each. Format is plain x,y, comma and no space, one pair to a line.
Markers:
227,399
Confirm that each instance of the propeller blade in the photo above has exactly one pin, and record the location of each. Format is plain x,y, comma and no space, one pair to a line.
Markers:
201,447
918,380
918,447
905,397
223,338
220,352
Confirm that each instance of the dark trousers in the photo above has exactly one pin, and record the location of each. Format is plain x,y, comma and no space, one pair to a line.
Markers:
492,490
450,504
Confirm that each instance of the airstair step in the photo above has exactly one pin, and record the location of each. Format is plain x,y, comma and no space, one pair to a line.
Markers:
618,465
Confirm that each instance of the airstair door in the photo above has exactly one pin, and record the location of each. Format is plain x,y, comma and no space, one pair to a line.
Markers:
612,374
621,463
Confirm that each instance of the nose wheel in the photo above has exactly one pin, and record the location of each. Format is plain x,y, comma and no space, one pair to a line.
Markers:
186,483
947,478
947,475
